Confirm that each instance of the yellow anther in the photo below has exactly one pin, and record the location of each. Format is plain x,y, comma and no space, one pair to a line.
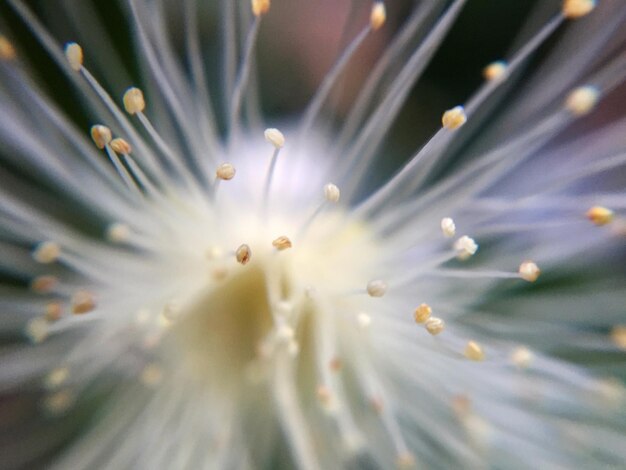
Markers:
7,51
495,71
454,118
121,146
618,336
151,375
133,101
243,254
47,252
573,9
422,313
378,16
529,271
43,284
83,302
405,461
376,288
225,172
37,329
53,311
582,100
260,7
101,135
474,352
74,55
435,325
56,377
282,243
600,215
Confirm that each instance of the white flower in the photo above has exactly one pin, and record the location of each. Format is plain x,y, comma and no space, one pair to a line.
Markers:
200,296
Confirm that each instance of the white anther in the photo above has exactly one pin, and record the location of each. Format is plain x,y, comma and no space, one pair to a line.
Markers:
376,288
448,227
47,252
435,325
465,246
582,100
331,193
529,271
474,351
134,101
275,137
225,172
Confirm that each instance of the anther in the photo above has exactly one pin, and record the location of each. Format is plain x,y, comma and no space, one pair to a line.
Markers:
37,330
600,215
522,357
331,193
101,135
53,311
58,402
282,243
454,118
324,395
405,461
260,7
243,254
83,302
151,375
74,55
225,172
434,325
474,351
56,377
134,101
465,246
376,288
422,313
118,232
378,16
496,70
121,146
275,137
448,227
573,9
618,336
47,252
7,51
363,320
529,271
335,364
582,100
43,284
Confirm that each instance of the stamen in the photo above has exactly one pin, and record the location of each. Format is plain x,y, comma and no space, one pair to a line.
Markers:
43,284
474,352
378,16
454,118
435,325
225,172
74,55
582,100
405,461
118,232
331,193
134,101
282,243
496,70
260,7
151,375
336,364
53,311
599,215
376,288
618,336
422,313
7,51
59,402
83,302
529,271
37,330
47,252
363,320
243,254
448,227
465,246
522,357
56,378
101,135
574,9
121,146
277,139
